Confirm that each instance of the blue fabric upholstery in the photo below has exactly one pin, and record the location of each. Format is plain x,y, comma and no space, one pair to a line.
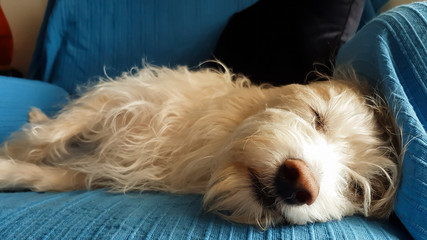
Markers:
101,215
81,38
18,95
391,52
370,10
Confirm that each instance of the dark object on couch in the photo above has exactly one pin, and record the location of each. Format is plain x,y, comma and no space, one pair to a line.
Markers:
279,43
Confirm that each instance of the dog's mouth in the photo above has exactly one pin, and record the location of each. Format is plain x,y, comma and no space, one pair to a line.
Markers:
263,194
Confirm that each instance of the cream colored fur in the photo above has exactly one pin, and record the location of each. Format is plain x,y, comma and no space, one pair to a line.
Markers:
185,131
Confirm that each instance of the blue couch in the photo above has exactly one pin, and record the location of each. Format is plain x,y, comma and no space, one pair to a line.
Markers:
82,40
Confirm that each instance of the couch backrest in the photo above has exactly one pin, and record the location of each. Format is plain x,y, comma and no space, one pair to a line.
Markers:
79,40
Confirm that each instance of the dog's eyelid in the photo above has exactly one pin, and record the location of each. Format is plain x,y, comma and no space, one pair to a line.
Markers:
316,113
319,123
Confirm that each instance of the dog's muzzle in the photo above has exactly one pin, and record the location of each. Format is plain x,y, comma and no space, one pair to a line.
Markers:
295,183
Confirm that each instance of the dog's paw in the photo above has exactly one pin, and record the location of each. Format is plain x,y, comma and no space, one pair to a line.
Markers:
36,115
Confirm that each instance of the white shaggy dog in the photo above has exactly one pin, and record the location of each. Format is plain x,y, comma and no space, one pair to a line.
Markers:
260,155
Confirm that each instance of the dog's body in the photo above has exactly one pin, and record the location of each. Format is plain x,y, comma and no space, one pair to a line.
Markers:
297,153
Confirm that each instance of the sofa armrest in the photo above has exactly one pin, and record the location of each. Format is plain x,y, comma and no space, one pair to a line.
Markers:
17,96
391,53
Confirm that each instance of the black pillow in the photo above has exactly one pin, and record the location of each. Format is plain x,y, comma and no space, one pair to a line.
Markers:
278,42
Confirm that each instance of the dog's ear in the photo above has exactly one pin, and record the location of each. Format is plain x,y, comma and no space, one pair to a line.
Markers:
384,185
390,132
376,196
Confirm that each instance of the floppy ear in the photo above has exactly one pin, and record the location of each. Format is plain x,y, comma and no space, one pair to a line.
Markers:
386,182
390,132
373,187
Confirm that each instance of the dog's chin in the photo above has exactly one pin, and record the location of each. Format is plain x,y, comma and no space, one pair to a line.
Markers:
251,204
290,211
230,194
243,197
246,191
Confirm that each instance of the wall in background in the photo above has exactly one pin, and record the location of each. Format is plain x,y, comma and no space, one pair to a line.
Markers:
25,18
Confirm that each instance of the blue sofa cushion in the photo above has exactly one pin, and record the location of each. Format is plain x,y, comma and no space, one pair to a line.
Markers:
101,215
83,39
391,52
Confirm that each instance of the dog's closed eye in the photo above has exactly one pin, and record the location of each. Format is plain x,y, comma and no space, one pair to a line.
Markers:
318,121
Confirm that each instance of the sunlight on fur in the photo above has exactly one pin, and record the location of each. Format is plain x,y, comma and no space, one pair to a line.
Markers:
260,155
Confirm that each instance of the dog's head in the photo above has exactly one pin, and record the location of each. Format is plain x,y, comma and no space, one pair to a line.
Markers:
317,152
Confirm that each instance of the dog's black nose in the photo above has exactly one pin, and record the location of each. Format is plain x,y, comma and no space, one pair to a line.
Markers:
295,182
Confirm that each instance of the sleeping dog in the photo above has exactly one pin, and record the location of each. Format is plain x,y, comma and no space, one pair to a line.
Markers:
260,155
